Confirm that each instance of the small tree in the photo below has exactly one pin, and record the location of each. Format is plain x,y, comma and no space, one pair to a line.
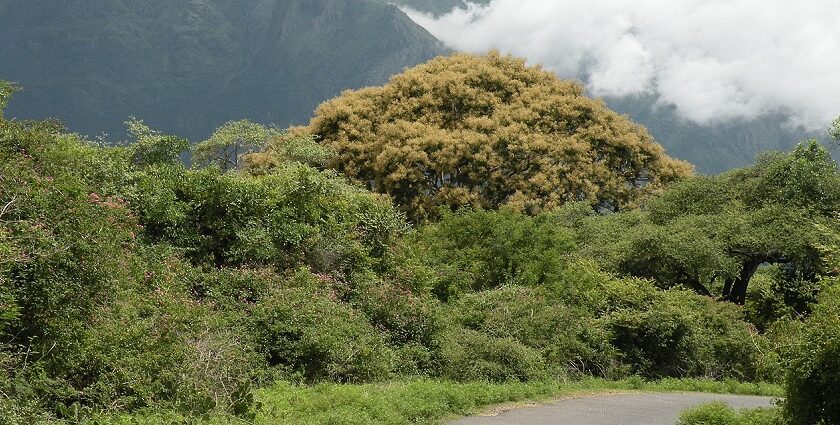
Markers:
231,141
6,91
834,131
152,147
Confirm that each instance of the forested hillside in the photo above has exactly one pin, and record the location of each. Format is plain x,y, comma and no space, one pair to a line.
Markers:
280,280
187,66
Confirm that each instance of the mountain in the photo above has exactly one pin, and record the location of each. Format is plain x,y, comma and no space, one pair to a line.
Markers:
188,66
713,147
434,7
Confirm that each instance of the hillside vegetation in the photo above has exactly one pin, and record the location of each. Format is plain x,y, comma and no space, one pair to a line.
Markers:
134,285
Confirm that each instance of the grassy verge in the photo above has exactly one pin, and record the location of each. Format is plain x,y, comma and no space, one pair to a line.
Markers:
428,401
721,414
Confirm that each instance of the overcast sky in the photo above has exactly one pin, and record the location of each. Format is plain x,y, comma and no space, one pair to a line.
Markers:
714,59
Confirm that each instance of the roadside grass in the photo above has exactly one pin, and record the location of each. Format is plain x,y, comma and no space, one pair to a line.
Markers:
424,401
721,414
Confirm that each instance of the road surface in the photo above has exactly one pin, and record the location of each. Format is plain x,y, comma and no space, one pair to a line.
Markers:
612,409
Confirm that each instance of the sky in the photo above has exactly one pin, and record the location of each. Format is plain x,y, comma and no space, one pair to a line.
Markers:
715,60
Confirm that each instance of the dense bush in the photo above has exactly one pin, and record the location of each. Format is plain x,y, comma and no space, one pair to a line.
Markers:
468,355
308,333
294,215
680,334
813,380
567,338
476,250
721,414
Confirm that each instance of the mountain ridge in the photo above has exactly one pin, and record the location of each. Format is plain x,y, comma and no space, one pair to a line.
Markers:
186,67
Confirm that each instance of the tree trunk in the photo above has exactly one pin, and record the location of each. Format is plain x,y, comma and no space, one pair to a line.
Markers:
738,288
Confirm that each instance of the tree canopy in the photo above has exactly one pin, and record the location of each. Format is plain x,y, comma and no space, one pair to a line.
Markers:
231,141
490,131
712,234
834,131
6,91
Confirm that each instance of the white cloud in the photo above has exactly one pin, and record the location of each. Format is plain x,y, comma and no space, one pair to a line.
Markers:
714,59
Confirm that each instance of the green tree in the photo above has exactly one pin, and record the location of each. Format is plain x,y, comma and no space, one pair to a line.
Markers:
479,250
7,89
151,147
813,380
231,141
711,234
834,131
489,131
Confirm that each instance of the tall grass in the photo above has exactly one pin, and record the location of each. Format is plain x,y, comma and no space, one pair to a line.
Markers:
425,401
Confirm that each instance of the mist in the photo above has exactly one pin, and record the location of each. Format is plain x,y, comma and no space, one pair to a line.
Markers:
714,60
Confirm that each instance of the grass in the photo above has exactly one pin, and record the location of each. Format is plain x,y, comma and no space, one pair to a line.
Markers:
721,414
427,401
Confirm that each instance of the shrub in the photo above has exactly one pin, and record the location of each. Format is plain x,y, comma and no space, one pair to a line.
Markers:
468,355
305,330
412,323
404,316
163,349
681,334
566,337
292,216
721,414
476,250
813,380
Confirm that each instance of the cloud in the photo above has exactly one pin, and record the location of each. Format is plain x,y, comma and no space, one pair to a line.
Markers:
716,60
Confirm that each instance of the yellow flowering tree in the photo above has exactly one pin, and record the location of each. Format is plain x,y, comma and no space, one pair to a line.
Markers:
490,131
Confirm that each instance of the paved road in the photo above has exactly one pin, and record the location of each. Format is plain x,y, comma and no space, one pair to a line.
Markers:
612,409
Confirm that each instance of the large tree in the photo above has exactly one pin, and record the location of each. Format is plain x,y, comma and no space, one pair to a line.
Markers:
490,131
712,234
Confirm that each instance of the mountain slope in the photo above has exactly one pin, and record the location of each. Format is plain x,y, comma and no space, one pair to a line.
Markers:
435,7
188,66
714,147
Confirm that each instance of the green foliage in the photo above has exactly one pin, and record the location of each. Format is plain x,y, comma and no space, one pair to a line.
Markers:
306,331
93,318
813,380
805,178
150,147
680,334
568,339
474,356
711,234
294,215
722,414
834,131
230,142
289,147
413,323
476,250
7,89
